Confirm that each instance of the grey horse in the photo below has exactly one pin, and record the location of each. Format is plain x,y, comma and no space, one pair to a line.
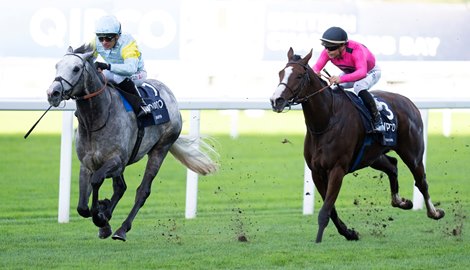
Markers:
107,134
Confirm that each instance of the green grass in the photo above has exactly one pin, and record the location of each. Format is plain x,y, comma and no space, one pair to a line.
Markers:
257,193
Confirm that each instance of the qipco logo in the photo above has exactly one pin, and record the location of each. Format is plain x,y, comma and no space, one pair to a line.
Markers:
53,27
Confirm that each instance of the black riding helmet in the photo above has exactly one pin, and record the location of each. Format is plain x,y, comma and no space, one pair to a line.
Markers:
334,36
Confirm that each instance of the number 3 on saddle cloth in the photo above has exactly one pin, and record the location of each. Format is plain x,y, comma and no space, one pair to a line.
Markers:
386,138
150,95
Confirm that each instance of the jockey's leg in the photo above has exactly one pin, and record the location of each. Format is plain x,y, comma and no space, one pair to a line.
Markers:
372,107
133,96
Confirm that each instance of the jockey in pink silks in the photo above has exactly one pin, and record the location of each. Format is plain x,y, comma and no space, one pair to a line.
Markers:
358,67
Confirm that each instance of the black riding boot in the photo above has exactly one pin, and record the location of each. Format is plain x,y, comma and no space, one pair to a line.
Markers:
372,107
131,93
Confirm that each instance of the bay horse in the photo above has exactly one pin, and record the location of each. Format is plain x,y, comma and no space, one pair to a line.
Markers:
107,134
335,135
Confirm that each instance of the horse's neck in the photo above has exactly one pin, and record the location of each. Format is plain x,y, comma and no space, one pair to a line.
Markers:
93,113
318,109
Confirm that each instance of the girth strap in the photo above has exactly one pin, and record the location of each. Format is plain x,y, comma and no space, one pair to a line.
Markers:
140,136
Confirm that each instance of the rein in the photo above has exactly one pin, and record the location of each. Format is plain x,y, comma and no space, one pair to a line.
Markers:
88,96
303,99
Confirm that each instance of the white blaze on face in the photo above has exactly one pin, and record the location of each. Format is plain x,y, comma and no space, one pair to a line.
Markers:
280,89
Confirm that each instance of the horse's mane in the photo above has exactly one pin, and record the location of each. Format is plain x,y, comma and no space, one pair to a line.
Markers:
296,57
323,81
84,48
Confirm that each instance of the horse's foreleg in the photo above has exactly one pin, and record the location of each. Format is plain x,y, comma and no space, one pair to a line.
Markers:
388,165
143,191
107,206
98,209
84,192
349,234
321,183
335,179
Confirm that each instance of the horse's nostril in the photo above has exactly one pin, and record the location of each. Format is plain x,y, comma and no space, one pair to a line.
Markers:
279,101
56,94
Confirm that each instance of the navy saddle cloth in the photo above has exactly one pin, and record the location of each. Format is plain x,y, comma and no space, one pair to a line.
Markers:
150,95
389,136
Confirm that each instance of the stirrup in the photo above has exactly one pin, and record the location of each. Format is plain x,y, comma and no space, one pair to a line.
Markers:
146,109
379,125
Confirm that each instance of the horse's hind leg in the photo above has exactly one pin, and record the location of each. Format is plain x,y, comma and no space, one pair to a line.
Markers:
413,158
154,162
388,165
417,169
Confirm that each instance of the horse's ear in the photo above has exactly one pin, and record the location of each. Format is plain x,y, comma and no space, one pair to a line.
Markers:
69,49
307,57
290,53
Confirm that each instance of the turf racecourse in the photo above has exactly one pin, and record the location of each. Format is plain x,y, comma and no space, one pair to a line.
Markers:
257,194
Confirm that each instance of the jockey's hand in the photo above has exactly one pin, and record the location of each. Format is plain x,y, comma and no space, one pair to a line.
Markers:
334,79
102,66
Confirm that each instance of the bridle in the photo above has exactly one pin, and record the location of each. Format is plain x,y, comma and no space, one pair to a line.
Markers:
295,100
61,80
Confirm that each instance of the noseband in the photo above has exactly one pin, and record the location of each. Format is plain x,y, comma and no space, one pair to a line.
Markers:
61,80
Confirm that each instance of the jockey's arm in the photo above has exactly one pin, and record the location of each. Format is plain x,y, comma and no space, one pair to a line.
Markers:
128,68
321,62
360,71
130,54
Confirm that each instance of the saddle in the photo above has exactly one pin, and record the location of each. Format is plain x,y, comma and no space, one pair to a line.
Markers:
386,138
151,96
389,136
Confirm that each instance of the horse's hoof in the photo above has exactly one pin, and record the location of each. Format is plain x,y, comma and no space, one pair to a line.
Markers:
104,207
404,204
120,235
352,235
105,232
84,212
100,220
437,215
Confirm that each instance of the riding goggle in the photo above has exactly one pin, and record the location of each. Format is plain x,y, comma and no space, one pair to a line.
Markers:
106,38
332,48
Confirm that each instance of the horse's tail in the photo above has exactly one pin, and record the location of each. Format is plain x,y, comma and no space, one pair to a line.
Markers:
197,155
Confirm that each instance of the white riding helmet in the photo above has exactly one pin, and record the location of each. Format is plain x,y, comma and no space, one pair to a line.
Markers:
107,25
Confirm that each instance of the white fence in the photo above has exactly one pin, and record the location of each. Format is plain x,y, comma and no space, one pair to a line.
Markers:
195,105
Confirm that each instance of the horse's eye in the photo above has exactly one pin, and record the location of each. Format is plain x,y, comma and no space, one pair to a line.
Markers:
76,69
300,76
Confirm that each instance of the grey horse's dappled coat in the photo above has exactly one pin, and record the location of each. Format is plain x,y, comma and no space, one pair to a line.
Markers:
107,134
